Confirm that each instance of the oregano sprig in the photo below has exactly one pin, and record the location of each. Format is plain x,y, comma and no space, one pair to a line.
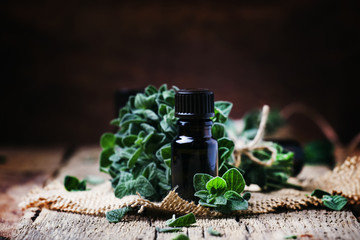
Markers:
333,202
222,194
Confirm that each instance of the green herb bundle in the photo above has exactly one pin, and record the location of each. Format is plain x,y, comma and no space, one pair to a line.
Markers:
271,177
138,155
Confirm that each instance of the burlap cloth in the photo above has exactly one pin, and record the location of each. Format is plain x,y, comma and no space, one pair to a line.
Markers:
343,180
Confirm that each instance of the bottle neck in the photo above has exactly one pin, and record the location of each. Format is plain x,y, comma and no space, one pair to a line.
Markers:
195,127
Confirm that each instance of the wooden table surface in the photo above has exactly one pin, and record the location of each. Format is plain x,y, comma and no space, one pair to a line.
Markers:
25,168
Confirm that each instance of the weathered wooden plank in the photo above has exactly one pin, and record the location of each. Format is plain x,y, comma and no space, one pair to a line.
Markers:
319,224
20,171
61,225
83,163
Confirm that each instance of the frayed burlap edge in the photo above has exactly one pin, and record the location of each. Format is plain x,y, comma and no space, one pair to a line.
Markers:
344,180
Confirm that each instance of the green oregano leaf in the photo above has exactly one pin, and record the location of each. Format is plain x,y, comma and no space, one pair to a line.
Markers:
168,229
234,180
335,202
217,186
200,180
73,184
134,157
183,221
105,162
181,237
235,201
218,130
202,194
115,216
213,232
206,204
107,140
319,193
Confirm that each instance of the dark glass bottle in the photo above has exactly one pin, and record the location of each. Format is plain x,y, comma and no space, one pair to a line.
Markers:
193,150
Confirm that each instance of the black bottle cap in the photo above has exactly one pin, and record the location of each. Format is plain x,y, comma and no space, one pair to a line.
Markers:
194,103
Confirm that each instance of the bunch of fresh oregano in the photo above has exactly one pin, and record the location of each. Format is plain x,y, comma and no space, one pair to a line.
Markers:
223,194
268,176
138,155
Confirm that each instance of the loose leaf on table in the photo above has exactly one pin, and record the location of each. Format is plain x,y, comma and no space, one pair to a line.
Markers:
168,229
73,184
181,237
116,215
183,221
213,232
319,193
335,202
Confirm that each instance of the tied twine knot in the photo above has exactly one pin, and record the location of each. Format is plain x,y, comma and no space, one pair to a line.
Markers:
244,146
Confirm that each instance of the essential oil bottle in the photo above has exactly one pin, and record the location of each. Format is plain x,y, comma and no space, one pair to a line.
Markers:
193,149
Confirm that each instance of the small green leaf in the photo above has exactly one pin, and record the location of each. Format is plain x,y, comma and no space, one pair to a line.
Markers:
107,140
226,148
104,159
200,180
150,172
213,232
115,216
149,114
202,194
183,221
220,200
129,140
335,202
150,90
168,162
81,186
168,229
115,122
205,204
181,237
291,237
234,180
144,187
216,186
73,184
319,193
134,157
218,130
129,118
125,188
235,201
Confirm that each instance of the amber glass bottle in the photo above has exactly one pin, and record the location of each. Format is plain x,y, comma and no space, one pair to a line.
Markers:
193,150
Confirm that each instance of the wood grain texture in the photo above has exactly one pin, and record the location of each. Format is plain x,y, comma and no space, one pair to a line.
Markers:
319,224
23,169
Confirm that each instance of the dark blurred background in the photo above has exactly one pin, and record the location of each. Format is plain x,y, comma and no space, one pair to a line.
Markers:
63,61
